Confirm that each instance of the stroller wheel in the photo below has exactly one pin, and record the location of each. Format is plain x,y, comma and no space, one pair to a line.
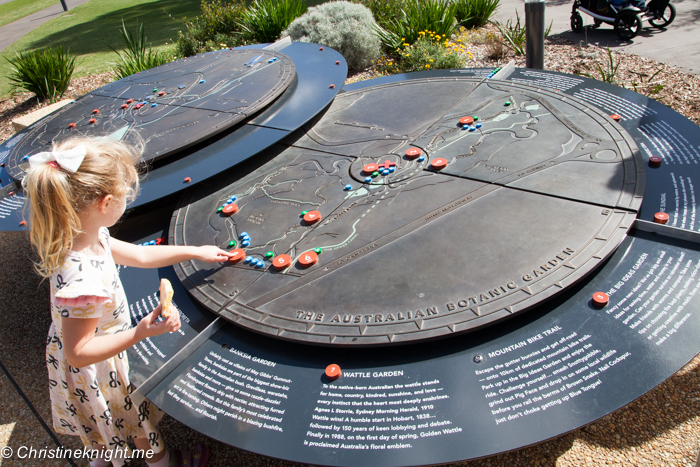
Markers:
627,24
576,22
665,17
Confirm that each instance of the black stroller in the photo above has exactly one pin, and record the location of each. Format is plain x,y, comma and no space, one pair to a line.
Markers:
625,15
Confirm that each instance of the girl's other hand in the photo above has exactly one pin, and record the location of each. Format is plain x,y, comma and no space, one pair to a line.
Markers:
149,327
212,254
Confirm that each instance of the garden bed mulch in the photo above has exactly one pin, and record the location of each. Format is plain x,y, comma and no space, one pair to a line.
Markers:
678,90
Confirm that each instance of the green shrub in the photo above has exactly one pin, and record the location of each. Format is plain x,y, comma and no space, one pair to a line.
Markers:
417,15
430,52
45,72
136,56
383,10
265,20
344,26
217,26
474,13
514,35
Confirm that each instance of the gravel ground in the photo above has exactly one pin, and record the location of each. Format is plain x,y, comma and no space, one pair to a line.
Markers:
659,429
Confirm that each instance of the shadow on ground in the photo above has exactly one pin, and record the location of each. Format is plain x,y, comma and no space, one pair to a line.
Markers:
98,34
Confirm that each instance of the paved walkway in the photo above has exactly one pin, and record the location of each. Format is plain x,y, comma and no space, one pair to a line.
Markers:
15,30
678,45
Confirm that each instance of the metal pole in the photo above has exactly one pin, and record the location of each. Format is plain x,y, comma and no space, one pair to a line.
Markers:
534,30
63,4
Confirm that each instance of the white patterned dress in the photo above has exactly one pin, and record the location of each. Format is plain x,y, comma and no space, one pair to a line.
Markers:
93,401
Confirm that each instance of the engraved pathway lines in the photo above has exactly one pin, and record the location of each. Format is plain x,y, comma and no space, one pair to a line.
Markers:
378,242
166,101
387,225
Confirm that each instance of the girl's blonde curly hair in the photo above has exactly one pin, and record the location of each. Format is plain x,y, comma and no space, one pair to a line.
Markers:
56,196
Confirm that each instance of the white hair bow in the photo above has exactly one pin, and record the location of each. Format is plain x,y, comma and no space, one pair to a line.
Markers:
69,160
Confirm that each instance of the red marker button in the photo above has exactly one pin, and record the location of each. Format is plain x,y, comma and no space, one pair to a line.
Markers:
412,153
661,218
655,161
616,117
439,163
230,209
281,262
369,168
600,299
312,217
333,372
466,120
23,223
124,106
237,255
308,259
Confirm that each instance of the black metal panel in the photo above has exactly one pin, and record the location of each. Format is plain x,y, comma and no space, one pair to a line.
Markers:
656,129
307,95
526,380
482,250
556,368
172,106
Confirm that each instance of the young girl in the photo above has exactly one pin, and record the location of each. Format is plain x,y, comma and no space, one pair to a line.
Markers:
75,193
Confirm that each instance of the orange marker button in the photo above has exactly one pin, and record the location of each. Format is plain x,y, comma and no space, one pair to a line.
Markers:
655,161
439,163
96,111
281,262
129,101
412,153
308,259
616,117
92,120
71,125
23,223
124,106
661,218
333,372
466,120
312,217
230,209
600,299
237,255
369,168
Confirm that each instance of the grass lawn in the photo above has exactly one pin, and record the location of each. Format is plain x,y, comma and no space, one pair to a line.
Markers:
89,30
17,9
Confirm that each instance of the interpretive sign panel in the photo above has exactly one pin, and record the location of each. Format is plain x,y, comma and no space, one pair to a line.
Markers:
554,366
521,382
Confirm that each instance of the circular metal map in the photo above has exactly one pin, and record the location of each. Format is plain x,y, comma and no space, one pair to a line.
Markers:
391,221
169,108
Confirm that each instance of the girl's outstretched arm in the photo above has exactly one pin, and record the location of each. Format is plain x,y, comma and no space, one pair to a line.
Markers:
82,348
160,256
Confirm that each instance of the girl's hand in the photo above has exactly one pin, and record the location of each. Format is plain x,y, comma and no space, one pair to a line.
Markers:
149,327
212,254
